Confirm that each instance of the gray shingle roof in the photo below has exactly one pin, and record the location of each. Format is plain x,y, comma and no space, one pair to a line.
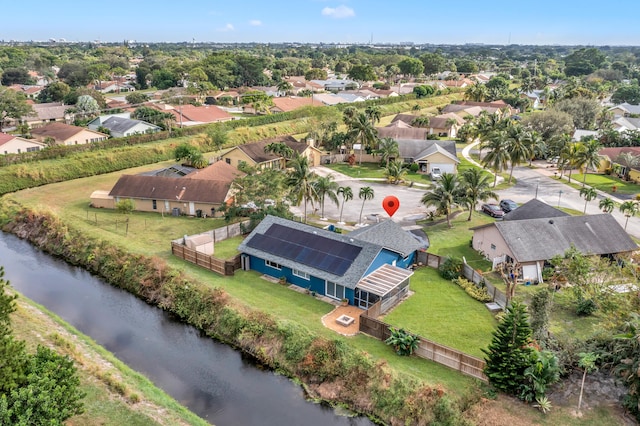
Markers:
542,239
349,279
389,235
122,125
534,209
418,148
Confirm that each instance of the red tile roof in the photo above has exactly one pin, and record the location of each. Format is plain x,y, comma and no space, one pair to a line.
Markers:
286,104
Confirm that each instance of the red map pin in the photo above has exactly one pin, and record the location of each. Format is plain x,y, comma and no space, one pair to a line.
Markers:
390,204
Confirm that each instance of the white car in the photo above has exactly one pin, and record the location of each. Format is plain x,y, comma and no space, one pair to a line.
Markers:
436,173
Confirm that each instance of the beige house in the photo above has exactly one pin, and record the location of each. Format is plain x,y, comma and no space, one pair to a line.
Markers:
430,154
253,154
11,144
529,243
66,134
48,113
200,193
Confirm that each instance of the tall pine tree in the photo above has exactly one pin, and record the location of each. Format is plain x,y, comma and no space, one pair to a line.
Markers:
508,354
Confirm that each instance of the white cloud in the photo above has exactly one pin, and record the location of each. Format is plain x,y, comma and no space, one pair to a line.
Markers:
255,22
228,27
339,12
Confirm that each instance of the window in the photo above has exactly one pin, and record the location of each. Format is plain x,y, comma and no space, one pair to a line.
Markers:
334,290
493,246
227,160
155,204
300,274
273,265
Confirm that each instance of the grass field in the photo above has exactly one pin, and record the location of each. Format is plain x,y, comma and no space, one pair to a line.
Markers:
441,311
605,183
115,394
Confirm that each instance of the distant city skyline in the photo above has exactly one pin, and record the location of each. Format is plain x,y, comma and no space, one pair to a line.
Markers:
500,22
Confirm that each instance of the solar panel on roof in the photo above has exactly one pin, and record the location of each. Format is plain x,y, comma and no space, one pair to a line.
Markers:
306,248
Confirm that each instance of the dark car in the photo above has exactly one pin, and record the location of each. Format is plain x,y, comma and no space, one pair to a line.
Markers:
492,210
508,205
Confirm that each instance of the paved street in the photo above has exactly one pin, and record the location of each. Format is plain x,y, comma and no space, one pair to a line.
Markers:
538,181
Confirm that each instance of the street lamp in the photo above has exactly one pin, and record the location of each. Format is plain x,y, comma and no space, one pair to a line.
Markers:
559,195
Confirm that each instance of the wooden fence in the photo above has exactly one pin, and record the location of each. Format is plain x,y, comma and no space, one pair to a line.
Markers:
477,278
221,266
434,261
427,349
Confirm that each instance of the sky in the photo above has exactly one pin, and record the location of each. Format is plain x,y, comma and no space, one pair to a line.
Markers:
543,22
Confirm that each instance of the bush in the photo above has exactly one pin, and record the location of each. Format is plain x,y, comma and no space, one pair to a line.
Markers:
414,167
478,293
586,307
450,268
403,343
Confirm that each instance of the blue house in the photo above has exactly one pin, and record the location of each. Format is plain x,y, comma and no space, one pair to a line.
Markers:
364,266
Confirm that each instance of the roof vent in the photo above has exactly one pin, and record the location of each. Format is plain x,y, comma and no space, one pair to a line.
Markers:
551,221
351,239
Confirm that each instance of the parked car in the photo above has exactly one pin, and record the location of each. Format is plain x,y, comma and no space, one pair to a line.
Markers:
508,205
436,173
493,210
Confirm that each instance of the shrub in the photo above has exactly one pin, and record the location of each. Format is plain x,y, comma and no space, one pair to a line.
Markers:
403,343
586,307
478,293
450,268
414,167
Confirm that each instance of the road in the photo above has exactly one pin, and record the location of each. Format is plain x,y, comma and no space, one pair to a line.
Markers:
531,182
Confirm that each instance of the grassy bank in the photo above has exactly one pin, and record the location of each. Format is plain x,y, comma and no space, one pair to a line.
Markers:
115,394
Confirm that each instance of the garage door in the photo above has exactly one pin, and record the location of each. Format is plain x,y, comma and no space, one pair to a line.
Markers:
444,168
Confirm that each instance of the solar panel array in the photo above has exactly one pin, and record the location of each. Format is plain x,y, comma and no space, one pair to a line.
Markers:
306,248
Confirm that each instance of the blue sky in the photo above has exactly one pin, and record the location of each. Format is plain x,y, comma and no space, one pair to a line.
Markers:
612,22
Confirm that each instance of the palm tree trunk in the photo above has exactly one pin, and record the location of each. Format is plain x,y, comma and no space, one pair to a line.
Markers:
511,172
584,179
570,170
448,219
584,376
472,206
341,208
495,179
305,209
361,208
322,205
585,206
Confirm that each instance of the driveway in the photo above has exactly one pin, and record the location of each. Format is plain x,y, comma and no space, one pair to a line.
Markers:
409,211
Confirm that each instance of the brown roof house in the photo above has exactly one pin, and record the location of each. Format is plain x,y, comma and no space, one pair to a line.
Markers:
12,144
529,243
289,103
48,113
253,153
66,134
199,193
401,130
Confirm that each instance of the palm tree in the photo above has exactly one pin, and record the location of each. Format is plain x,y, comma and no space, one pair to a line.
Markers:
445,195
347,194
589,194
366,193
475,186
387,149
628,208
497,158
517,147
588,157
374,113
569,157
325,186
606,205
395,171
537,147
627,160
361,129
300,181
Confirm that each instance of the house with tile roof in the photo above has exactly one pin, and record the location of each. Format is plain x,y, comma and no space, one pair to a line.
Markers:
289,103
530,243
12,144
190,115
402,130
363,267
48,113
445,125
253,154
204,190
66,134
30,91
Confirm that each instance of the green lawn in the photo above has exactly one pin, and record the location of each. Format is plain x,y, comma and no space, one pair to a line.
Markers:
605,183
456,241
441,311
365,170
226,249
